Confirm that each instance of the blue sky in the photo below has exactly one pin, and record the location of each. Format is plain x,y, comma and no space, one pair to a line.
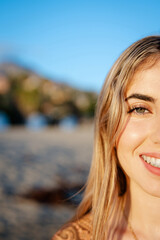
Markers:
73,41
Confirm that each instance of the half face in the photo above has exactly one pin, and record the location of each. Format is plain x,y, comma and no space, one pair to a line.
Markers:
138,147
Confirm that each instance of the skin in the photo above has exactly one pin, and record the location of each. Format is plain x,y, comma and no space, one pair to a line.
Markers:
141,135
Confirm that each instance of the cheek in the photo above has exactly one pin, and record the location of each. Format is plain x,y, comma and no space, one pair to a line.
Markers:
133,135
131,138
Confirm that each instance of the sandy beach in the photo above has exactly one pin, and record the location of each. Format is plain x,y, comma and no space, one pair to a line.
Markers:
34,163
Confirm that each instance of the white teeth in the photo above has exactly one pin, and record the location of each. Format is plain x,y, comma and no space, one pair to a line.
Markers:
148,159
158,163
144,157
151,160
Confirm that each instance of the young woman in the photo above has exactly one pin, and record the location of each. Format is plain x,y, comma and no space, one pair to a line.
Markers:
122,196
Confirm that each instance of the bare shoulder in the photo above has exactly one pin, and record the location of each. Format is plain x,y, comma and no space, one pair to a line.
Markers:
78,230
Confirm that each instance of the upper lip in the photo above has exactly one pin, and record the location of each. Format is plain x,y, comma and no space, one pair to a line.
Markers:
151,154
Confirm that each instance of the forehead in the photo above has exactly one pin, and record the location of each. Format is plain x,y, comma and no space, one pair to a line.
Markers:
146,80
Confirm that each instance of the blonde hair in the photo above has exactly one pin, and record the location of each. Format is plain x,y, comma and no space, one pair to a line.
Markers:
106,185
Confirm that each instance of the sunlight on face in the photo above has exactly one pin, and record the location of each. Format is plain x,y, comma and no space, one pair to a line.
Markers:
138,148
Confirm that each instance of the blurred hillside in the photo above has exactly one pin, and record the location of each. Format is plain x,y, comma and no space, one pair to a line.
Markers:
24,93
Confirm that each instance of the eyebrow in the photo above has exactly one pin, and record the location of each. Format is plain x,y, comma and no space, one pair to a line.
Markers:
141,97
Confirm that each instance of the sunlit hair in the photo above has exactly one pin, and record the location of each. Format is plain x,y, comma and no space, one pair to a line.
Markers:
106,185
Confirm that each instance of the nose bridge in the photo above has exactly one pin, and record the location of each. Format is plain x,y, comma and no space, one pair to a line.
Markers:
155,136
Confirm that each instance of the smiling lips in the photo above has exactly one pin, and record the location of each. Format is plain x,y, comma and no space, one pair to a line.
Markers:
155,162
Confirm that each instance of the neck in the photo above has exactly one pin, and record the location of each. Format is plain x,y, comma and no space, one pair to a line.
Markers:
144,213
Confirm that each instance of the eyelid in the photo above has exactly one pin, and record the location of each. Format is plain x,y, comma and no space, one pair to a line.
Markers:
132,108
139,104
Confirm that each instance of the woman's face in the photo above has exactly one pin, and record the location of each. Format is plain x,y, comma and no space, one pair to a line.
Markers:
138,147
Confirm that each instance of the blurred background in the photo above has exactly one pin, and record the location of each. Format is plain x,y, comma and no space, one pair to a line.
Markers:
54,57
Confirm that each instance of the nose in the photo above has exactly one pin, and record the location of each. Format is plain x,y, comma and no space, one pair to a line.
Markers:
155,131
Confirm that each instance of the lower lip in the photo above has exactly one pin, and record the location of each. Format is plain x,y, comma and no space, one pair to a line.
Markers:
150,168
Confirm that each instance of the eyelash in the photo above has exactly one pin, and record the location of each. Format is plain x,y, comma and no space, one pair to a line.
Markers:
135,110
